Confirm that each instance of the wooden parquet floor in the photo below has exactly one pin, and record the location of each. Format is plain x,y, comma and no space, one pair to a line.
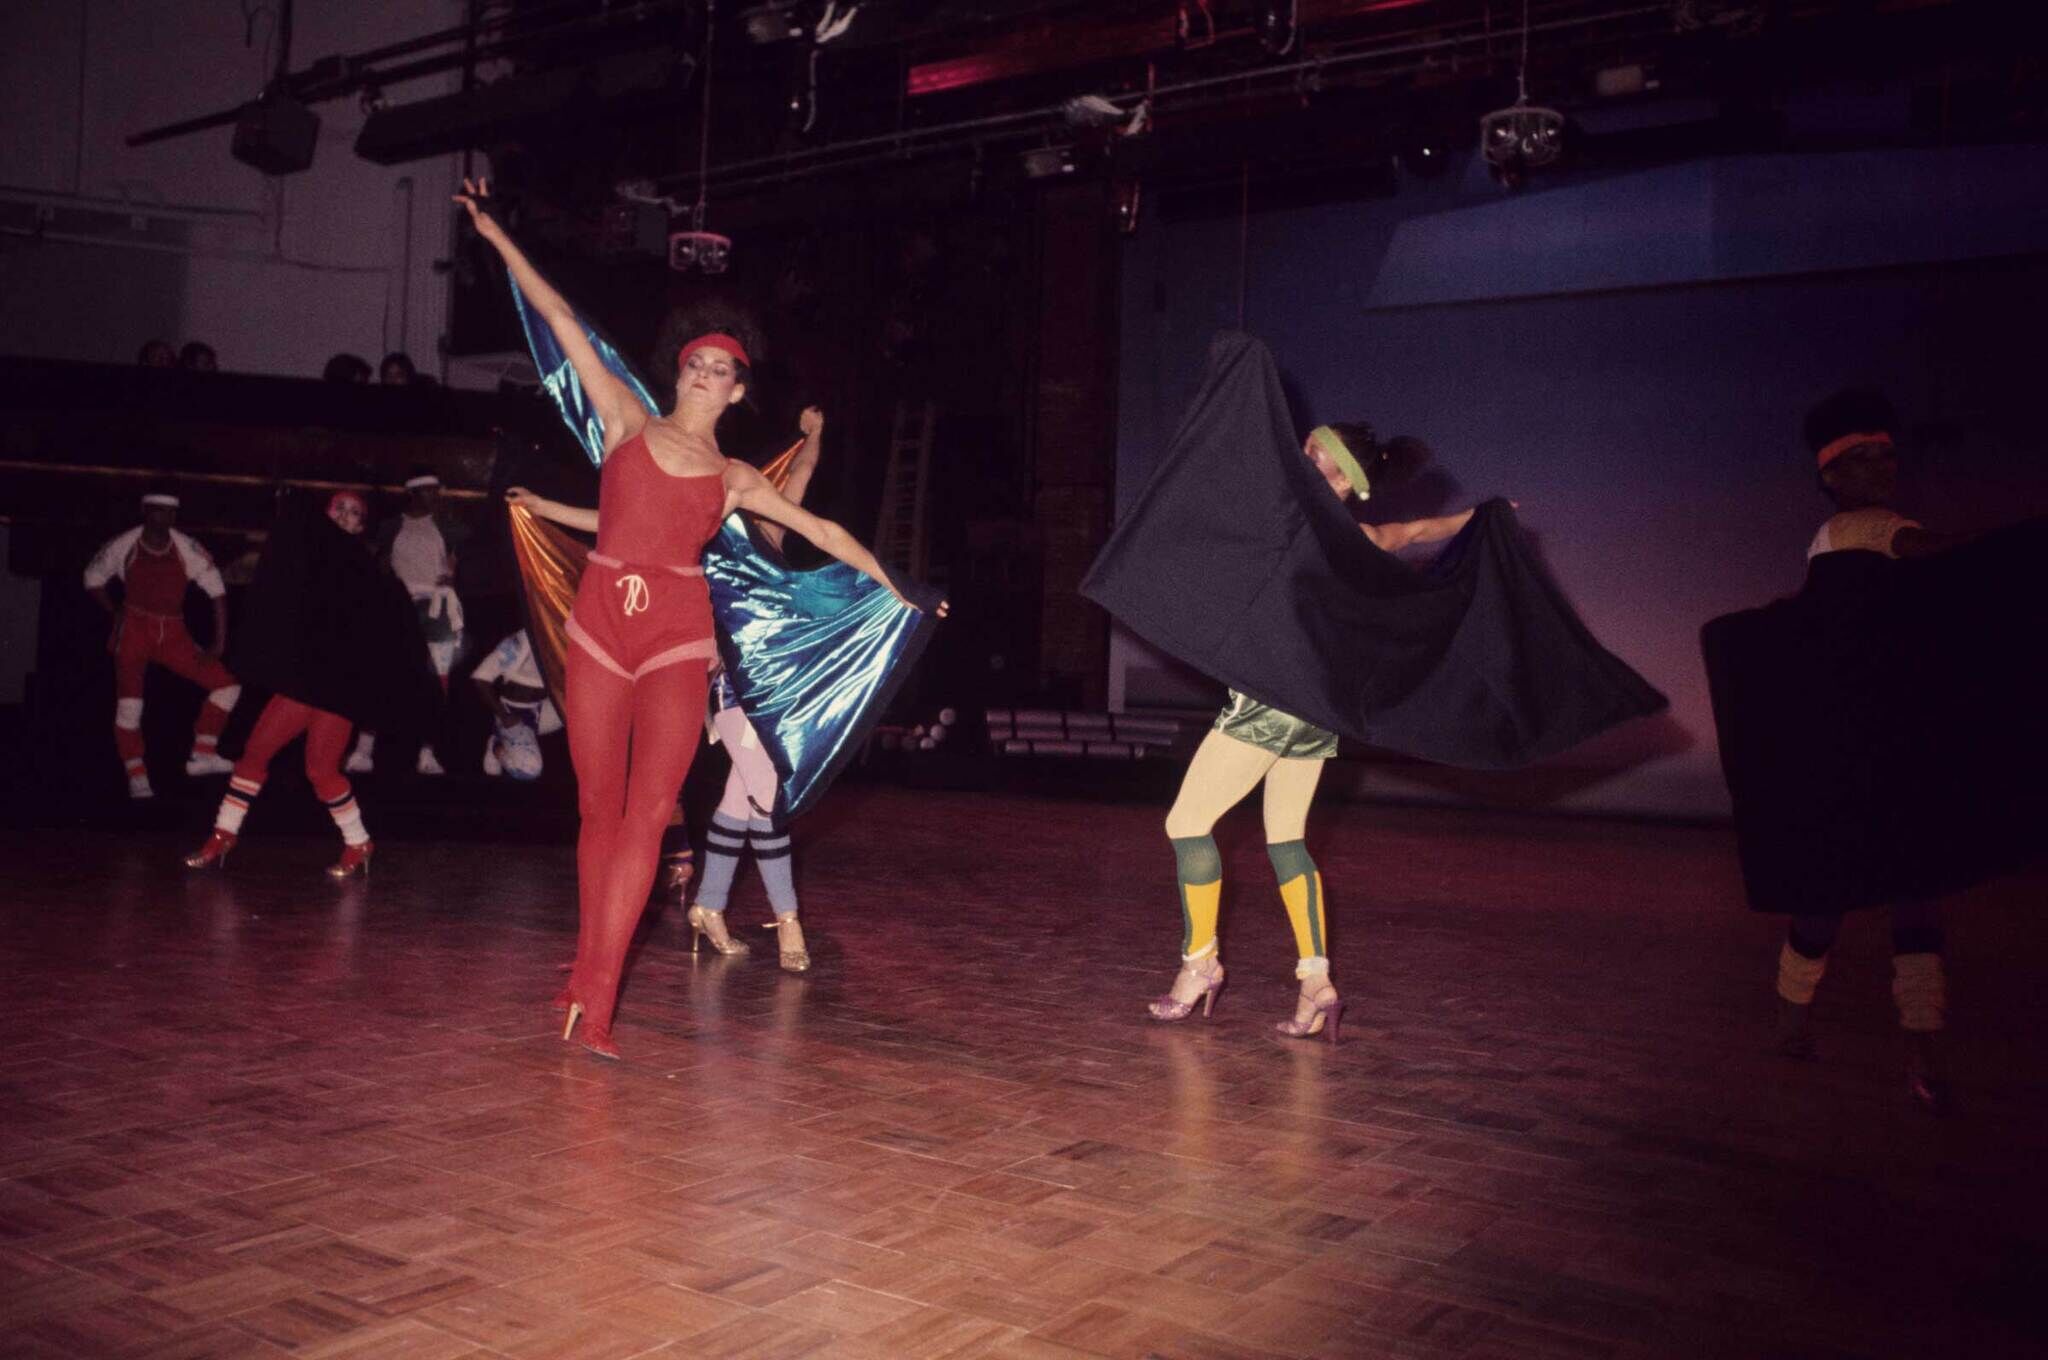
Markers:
254,1114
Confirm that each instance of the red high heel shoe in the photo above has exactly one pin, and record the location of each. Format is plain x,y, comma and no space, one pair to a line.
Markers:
214,853
597,1040
354,859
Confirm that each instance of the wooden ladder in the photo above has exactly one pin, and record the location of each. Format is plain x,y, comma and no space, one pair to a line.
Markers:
899,529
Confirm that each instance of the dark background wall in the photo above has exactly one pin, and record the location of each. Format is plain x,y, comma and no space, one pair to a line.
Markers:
1630,359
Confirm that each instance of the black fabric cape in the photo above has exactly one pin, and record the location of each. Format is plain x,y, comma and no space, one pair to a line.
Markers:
324,624
1239,561
1884,731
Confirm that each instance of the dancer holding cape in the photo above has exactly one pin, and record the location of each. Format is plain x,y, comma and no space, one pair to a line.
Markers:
1240,559
640,632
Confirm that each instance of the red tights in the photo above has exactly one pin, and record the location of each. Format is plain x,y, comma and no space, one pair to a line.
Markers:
625,804
326,739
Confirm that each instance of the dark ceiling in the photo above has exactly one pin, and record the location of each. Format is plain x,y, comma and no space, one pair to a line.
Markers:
911,98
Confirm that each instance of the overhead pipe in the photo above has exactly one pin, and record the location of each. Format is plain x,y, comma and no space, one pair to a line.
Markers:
763,171
335,77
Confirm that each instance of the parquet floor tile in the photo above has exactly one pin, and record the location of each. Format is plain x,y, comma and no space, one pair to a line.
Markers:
257,1115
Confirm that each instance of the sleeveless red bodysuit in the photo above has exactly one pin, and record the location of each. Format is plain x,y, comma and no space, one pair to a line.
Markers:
643,603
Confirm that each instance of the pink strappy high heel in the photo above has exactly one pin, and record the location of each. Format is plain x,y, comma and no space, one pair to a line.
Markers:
1330,1011
1169,1007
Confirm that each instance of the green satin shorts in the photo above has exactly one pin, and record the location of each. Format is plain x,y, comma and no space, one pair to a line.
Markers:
1269,729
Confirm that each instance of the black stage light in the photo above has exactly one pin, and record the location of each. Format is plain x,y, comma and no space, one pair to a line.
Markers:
277,135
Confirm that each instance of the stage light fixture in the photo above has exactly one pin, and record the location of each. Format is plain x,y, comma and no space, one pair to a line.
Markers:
772,23
1049,162
1519,139
1523,136
276,134
706,251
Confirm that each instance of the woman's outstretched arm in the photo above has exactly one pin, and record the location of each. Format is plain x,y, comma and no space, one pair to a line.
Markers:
616,406
572,516
752,493
1394,537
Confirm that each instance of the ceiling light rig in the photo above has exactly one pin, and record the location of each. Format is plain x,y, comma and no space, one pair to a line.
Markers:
1524,136
695,247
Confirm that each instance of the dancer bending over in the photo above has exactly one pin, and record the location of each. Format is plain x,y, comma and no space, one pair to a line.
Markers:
327,631
1252,743
1240,558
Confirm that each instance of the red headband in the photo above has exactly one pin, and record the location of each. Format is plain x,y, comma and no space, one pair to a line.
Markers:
1835,448
718,338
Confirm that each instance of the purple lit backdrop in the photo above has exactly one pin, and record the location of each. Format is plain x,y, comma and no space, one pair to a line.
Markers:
1630,359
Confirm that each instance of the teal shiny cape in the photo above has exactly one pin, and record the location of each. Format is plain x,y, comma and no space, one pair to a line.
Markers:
814,655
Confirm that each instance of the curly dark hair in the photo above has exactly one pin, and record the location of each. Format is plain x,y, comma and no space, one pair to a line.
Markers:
1854,410
684,324
1387,463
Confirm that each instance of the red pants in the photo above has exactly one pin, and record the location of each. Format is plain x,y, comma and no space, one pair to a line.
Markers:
326,740
158,638
625,804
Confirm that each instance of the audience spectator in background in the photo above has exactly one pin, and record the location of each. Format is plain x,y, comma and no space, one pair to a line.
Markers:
157,354
347,368
198,356
397,370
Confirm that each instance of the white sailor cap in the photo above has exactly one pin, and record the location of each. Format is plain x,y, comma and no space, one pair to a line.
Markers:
425,479
163,498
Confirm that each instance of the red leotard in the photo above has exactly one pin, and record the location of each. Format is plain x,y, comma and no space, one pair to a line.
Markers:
634,700
643,604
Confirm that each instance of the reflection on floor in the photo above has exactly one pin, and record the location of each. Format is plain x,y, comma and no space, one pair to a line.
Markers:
258,1114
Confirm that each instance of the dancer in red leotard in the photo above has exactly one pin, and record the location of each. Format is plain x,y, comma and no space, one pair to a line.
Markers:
641,632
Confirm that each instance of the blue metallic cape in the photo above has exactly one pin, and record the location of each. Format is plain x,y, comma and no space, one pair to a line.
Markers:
814,655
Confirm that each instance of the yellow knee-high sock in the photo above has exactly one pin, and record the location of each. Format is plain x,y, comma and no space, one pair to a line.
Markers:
1799,976
1920,989
1200,870
1301,892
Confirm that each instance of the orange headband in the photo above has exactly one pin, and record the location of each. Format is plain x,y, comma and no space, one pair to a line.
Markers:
1835,448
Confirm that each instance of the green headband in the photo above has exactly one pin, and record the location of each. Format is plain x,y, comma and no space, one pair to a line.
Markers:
1332,443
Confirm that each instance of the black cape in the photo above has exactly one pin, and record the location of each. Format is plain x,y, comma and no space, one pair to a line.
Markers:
324,624
1237,560
1884,731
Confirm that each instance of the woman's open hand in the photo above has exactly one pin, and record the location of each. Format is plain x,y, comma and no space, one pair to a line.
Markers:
811,421
475,194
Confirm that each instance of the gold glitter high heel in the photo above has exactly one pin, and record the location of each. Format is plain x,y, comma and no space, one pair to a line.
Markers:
710,925
797,960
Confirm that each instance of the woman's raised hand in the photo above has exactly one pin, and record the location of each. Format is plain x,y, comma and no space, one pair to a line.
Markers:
524,499
811,421
475,193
